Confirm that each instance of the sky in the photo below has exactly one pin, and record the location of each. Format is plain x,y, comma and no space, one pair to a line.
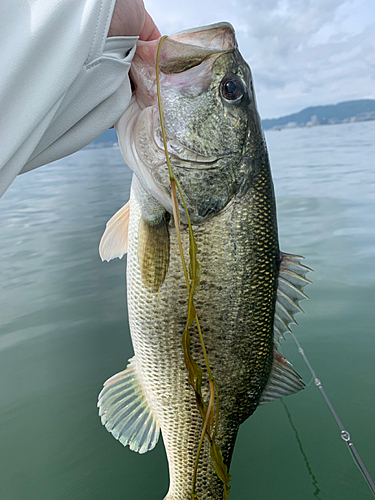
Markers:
301,52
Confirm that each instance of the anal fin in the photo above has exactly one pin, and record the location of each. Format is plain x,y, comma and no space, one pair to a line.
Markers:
125,413
283,380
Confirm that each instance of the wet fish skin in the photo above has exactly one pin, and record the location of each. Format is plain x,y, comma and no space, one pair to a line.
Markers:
231,202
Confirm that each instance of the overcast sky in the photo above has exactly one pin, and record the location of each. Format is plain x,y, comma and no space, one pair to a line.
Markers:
301,52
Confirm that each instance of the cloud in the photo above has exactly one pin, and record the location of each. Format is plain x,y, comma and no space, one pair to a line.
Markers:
301,52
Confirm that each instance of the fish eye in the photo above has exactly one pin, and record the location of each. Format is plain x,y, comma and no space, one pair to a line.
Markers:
232,88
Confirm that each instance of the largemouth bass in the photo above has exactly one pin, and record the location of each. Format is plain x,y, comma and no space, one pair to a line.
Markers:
249,291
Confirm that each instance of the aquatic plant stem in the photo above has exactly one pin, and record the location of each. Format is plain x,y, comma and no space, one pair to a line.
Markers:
193,369
191,234
176,212
205,424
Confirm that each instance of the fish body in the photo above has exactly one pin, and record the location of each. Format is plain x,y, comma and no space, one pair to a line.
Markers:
248,289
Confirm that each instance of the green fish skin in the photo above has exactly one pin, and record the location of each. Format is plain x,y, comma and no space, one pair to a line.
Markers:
219,158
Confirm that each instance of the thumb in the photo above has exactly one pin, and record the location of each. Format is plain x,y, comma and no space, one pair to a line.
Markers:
150,31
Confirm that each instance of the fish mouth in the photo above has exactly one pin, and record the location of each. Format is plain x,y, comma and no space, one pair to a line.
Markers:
219,36
189,158
186,55
181,153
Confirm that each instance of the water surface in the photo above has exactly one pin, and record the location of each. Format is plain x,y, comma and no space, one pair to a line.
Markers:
64,330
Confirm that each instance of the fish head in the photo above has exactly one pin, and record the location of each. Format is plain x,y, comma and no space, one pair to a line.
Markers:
210,119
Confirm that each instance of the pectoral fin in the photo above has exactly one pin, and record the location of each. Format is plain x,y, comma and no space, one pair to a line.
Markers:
125,413
114,242
283,380
153,252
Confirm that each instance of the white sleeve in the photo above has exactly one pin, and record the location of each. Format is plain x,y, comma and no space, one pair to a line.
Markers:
62,81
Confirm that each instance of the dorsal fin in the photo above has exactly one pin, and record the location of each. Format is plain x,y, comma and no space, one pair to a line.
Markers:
124,411
292,280
114,242
283,380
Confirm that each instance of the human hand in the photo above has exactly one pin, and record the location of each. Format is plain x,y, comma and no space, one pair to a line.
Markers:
130,18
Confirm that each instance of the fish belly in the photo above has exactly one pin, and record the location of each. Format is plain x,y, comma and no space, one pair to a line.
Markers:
235,305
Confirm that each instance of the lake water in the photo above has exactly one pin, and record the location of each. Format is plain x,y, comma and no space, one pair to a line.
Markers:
64,330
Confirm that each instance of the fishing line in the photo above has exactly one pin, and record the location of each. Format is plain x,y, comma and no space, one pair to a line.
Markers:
343,432
314,480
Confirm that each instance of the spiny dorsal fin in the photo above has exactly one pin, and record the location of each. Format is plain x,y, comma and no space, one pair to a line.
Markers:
125,412
292,280
114,242
153,252
283,380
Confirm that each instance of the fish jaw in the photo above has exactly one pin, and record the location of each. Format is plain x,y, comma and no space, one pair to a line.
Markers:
178,52
187,86
214,36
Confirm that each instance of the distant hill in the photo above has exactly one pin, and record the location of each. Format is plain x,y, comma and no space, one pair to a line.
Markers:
343,112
